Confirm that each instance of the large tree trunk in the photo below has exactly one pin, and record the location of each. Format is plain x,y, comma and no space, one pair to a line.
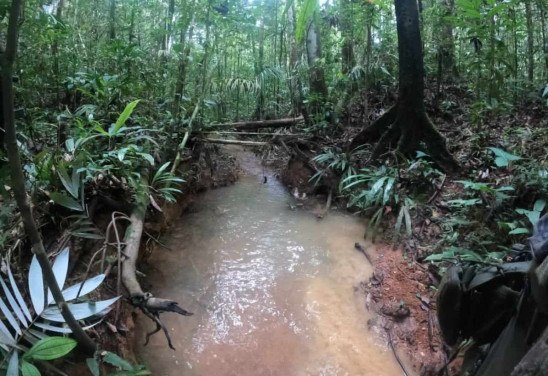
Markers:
7,61
2,133
530,42
318,87
294,82
406,125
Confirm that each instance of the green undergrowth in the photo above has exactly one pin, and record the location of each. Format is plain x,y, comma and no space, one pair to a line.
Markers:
474,217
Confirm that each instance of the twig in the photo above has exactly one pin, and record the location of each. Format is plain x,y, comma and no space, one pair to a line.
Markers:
360,248
438,190
430,329
158,241
395,353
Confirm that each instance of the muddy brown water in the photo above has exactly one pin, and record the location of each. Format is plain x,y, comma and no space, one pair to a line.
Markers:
273,291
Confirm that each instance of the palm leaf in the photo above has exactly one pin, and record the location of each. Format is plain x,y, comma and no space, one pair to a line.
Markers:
19,326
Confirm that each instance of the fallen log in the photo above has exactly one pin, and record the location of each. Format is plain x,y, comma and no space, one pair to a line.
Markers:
256,124
233,142
255,133
149,305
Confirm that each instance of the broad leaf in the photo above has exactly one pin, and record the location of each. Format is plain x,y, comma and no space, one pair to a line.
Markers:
93,366
539,205
28,369
123,117
518,231
50,348
503,158
117,361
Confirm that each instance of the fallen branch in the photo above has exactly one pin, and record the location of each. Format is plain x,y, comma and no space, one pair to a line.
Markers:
360,248
248,125
234,142
255,133
145,301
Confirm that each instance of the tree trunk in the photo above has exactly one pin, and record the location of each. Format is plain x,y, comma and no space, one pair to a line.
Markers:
406,124
7,61
542,8
2,132
530,42
112,16
294,82
448,43
182,70
318,87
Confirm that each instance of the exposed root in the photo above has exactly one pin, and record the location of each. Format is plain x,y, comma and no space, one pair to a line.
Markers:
405,129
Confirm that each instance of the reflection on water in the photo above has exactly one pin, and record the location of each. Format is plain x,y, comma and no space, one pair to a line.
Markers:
272,291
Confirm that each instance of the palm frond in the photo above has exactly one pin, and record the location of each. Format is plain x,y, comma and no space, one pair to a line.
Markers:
23,325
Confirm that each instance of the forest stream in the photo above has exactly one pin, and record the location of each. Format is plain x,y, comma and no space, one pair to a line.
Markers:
273,291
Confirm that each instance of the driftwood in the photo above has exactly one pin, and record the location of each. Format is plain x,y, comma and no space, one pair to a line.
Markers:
149,305
234,142
360,248
249,125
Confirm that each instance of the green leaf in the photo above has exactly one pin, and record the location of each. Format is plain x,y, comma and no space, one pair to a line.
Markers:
117,361
518,231
124,116
388,189
28,369
72,185
149,158
460,202
13,364
93,366
539,205
305,14
50,348
503,158
66,201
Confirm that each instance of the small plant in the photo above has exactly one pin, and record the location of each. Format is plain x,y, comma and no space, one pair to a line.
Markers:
503,158
517,227
123,367
337,162
20,328
161,184
373,190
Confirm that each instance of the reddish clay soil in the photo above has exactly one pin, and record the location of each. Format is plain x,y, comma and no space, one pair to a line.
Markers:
400,293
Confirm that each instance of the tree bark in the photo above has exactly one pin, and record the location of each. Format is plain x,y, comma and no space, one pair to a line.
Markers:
7,60
112,22
530,42
406,125
318,87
